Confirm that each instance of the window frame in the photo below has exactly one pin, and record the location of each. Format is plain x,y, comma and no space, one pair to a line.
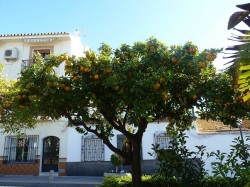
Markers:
95,155
22,149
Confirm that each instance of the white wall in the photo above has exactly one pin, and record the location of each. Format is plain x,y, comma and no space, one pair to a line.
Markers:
44,129
70,45
213,142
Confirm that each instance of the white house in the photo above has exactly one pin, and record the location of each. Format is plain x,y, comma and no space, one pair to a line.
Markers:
52,145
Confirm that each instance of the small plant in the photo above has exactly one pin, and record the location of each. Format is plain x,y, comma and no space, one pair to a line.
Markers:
234,166
178,166
117,161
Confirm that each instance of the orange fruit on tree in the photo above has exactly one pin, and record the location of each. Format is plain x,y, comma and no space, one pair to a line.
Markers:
96,76
67,89
63,85
108,70
194,97
75,78
68,62
201,65
174,59
157,86
72,73
81,68
86,70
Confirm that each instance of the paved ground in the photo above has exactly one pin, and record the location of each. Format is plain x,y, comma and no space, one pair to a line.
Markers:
44,181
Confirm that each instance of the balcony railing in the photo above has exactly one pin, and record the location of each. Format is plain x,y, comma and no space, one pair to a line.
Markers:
26,63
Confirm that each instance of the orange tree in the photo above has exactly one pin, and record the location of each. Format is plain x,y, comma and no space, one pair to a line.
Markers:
122,89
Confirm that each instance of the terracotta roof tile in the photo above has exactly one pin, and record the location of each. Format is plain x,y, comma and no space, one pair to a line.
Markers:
204,126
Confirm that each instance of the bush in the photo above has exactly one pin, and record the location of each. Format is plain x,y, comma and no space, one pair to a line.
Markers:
116,160
126,181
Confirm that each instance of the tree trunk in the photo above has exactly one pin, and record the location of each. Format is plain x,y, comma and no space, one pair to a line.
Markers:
136,164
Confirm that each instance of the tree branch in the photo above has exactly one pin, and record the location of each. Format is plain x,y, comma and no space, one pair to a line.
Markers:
102,136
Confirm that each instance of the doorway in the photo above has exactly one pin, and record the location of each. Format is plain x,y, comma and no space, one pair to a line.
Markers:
50,157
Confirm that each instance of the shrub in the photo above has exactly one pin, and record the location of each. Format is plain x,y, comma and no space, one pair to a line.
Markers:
116,160
126,181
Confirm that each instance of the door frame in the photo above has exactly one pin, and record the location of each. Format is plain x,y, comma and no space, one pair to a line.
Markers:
42,153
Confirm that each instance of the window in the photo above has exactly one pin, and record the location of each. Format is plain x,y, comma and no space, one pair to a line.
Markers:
162,140
43,50
20,149
92,149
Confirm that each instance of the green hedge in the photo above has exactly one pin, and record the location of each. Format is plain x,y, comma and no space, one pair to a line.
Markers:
156,181
126,181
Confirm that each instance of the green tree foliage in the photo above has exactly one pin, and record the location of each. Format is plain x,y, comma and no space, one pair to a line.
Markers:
122,89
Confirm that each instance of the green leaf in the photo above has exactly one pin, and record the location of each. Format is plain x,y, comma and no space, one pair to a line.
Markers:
243,85
244,75
244,89
246,97
247,67
242,81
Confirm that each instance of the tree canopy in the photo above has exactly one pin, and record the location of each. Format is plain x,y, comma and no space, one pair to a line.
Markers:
123,89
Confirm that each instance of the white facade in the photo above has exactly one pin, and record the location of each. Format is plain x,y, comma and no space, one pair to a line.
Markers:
26,45
56,43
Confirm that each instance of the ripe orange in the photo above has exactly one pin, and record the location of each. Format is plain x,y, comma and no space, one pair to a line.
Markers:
75,78
72,73
96,76
67,89
194,97
68,63
86,70
108,70
201,65
81,68
174,59
164,62
63,85
157,86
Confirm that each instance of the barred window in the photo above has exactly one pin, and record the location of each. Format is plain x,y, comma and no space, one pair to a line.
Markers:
162,140
21,149
92,149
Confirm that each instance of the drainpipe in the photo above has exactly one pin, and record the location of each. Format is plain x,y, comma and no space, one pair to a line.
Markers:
241,134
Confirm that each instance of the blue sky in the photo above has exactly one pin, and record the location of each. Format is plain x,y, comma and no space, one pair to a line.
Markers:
115,21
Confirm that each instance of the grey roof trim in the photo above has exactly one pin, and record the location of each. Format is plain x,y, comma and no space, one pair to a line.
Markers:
34,34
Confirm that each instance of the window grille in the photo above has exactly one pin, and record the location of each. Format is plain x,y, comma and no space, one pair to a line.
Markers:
21,149
92,149
162,140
